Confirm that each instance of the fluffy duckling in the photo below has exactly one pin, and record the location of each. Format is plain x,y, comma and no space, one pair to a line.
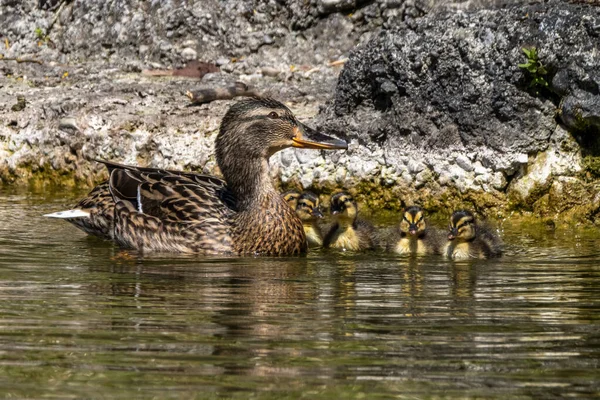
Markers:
413,235
348,232
291,197
468,239
309,211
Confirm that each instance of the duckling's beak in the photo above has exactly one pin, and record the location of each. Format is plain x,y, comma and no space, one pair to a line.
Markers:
453,234
412,229
317,213
308,138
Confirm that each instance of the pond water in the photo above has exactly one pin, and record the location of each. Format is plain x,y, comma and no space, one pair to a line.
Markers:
80,319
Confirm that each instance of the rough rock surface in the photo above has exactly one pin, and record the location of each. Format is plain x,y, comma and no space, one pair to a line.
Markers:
445,106
435,107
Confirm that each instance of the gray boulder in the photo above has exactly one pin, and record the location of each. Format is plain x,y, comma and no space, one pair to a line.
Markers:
447,91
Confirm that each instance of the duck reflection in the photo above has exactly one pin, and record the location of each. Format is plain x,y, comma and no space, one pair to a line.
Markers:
463,279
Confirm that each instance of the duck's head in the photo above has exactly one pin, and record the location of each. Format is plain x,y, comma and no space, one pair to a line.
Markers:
291,197
413,221
462,226
256,128
308,207
343,207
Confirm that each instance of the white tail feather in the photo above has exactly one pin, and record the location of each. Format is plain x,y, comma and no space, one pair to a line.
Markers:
69,214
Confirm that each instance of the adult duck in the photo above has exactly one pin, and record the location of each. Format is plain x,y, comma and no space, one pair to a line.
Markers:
171,211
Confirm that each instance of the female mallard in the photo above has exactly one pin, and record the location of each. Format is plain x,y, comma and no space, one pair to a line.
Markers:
413,235
156,210
469,239
348,232
308,209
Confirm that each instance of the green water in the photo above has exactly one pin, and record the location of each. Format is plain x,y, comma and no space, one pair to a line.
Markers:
79,319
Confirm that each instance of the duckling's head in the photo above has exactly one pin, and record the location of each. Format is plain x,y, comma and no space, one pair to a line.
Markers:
343,207
291,197
413,221
462,226
259,127
308,207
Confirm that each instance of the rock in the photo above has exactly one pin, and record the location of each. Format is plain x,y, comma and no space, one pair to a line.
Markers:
189,54
448,88
463,162
269,71
414,167
422,178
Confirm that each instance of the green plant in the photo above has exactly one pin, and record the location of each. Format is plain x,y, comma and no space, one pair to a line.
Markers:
39,33
536,69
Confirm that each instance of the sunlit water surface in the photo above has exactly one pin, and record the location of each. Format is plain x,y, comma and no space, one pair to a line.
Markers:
80,319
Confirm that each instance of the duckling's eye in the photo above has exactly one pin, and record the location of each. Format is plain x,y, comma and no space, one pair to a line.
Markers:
273,115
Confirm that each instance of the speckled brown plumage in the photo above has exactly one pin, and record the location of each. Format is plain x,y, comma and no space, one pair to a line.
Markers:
171,211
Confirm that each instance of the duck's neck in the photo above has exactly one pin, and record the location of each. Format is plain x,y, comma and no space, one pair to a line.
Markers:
264,222
250,182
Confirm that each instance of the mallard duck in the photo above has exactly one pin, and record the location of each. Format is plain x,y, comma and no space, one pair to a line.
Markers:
469,239
309,211
348,232
171,211
413,235
291,197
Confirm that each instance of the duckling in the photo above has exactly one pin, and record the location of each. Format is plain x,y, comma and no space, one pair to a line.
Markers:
309,211
469,239
413,235
291,197
307,208
172,211
348,232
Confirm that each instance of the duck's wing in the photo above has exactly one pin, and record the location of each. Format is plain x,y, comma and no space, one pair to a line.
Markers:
174,197
331,230
161,210
388,238
491,242
367,234
154,209
435,239
201,179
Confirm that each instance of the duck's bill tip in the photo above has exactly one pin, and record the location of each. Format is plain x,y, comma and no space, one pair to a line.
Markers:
308,138
331,144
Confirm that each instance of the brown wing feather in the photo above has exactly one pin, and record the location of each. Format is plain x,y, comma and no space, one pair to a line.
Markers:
161,210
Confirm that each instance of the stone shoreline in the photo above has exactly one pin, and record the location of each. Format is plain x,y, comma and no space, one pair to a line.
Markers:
435,108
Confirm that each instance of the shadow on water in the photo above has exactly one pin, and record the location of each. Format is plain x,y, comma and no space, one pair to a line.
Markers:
79,316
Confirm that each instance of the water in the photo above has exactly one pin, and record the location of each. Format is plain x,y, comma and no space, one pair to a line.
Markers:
80,319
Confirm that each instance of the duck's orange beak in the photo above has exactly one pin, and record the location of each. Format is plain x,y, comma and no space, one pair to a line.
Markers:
307,138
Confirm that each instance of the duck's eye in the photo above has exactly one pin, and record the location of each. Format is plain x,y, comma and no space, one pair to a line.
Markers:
273,115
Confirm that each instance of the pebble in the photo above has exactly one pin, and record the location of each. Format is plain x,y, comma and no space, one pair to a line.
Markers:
189,54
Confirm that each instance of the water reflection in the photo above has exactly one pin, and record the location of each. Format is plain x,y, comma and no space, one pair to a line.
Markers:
79,315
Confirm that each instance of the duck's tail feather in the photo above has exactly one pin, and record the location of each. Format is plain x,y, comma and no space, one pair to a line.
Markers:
69,214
